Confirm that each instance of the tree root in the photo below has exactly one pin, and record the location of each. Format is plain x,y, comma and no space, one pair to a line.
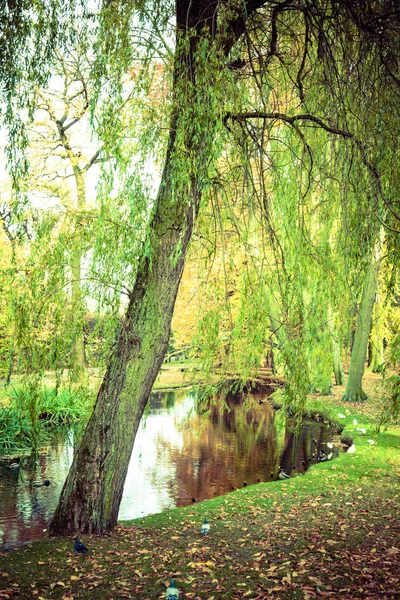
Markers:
359,396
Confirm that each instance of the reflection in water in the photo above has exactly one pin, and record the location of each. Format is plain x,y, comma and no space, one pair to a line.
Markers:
179,456
25,510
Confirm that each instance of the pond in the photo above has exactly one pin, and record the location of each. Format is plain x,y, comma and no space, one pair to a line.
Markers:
179,457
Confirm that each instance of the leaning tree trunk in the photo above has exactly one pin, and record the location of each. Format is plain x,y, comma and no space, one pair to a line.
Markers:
93,490
354,391
92,493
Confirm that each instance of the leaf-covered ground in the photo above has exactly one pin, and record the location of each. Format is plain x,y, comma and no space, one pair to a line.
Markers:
333,533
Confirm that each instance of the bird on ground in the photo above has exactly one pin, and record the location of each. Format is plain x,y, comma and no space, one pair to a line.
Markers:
361,430
352,449
172,591
79,548
283,475
205,528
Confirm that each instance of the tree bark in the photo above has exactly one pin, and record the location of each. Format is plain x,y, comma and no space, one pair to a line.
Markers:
354,391
92,493
93,490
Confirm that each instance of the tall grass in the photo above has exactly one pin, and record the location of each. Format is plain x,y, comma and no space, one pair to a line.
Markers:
34,410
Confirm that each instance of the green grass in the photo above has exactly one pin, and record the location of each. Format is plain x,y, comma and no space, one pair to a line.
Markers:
24,424
333,532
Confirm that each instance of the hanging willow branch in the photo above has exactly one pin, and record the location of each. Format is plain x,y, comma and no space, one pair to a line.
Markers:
291,120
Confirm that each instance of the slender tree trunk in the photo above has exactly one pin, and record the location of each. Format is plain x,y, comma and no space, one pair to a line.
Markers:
92,493
354,391
277,329
321,355
338,370
377,357
337,364
78,358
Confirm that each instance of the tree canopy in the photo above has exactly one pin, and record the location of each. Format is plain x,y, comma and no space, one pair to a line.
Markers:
272,129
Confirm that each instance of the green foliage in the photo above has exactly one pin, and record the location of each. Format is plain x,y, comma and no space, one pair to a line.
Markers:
287,209
16,434
391,373
27,422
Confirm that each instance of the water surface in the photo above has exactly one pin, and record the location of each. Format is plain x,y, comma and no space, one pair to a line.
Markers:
179,457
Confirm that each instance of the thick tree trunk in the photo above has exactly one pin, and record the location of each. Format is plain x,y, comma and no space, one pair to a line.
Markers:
93,490
354,391
92,493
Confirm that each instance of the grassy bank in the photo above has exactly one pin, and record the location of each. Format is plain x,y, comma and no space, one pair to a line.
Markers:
28,414
28,417
334,533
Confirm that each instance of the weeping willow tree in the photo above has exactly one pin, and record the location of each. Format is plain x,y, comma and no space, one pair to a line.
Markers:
92,493
311,191
236,64
318,259
282,261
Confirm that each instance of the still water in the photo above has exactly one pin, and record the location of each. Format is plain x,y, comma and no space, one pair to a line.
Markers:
179,457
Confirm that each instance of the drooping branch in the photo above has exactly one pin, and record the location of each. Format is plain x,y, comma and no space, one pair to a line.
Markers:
291,120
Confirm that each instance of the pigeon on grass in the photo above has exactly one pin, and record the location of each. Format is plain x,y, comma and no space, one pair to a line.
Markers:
79,548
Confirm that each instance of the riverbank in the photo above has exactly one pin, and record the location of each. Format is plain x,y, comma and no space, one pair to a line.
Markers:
334,533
